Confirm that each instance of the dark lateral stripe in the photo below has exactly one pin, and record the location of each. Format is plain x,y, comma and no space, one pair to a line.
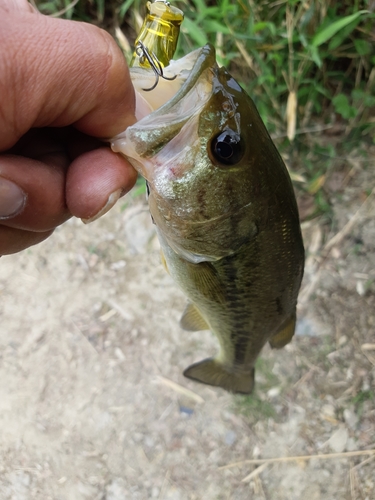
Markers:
238,337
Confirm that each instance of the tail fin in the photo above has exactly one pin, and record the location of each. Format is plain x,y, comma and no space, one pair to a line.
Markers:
212,372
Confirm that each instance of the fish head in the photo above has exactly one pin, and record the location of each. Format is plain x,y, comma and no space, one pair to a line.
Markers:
204,152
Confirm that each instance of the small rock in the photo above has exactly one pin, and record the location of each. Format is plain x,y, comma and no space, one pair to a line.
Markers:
360,287
186,410
305,327
155,492
230,438
20,484
351,419
343,340
119,354
116,490
120,264
337,442
351,445
273,392
87,491
328,410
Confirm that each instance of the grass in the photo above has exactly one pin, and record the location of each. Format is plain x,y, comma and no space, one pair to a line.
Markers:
320,51
360,398
308,65
256,406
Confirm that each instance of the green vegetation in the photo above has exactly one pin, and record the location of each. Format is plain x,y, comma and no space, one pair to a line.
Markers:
308,65
321,50
360,399
254,408
258,406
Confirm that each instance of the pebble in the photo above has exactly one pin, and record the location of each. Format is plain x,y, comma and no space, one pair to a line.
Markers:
337,442
116,490
305,327
230,438
18,487
274,392
351,419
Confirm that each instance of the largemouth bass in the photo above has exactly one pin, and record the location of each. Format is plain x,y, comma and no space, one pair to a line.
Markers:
225,212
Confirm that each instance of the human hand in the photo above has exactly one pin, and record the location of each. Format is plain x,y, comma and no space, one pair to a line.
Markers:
63,85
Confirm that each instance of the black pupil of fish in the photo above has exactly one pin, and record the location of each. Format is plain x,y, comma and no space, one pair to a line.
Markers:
226,147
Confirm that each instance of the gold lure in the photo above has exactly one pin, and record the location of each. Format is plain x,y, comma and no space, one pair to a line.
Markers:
157,40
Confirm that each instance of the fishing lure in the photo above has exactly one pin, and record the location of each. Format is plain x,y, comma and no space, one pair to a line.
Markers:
157,40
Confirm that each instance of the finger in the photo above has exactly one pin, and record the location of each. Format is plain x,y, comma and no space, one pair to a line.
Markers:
50,145
110,176
14,240
57,72
39,204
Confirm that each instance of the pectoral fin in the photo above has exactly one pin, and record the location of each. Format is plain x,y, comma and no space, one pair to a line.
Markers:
285,334
192,320
206,280
212,372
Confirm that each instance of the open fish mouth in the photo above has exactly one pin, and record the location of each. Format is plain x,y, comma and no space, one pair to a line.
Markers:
165,110
181,77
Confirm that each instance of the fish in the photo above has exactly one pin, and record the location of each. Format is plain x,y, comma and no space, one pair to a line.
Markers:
225,212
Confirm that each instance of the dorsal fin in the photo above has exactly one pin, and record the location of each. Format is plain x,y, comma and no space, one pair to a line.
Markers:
192,320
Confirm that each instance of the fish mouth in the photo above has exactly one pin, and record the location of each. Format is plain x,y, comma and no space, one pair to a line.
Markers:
163,111
181,76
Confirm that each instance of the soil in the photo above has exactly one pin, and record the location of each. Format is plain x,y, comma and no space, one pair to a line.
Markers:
93,403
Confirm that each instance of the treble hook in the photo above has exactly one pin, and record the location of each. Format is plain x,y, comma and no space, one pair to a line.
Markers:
143,53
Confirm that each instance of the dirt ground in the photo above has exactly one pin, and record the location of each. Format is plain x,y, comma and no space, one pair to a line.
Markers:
93,404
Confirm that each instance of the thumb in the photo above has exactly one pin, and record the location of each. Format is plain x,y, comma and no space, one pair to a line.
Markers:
58,73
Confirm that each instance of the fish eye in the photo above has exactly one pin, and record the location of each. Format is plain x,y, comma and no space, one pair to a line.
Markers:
227,147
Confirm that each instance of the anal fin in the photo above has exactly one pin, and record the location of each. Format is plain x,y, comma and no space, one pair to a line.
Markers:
211,372
285,333
192,320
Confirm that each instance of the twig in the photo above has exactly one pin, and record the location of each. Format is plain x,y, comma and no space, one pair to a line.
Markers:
164,486
353,482
178,388
245,55
335,240
307,130
322,456
63,11
127,316
368,347
364,462
255,473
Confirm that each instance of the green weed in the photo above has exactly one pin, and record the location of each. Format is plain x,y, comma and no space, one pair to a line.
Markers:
254,408
359,400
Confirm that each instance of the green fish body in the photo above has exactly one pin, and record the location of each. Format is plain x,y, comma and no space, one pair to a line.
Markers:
225,211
